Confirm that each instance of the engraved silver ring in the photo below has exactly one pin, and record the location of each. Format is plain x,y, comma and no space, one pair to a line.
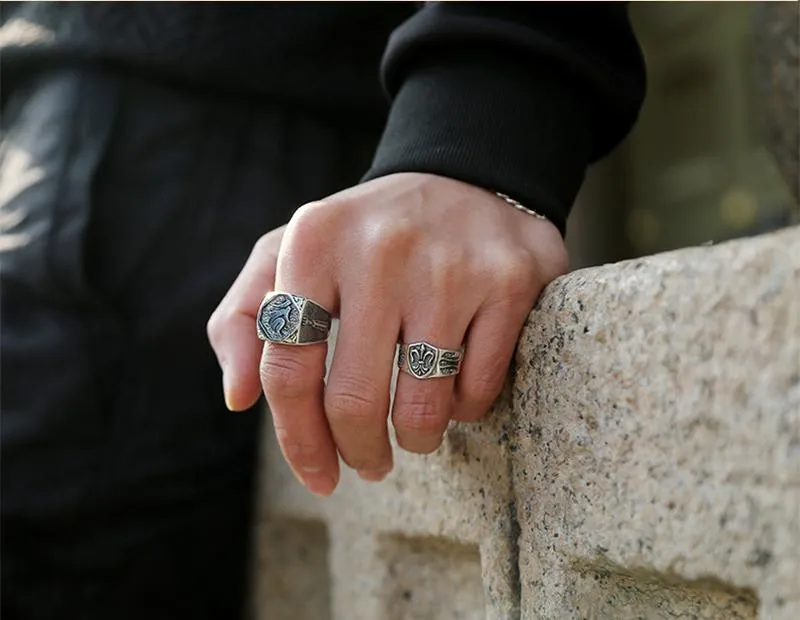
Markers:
422,360
285,318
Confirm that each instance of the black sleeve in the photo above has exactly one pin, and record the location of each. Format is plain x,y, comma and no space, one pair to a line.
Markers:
517,97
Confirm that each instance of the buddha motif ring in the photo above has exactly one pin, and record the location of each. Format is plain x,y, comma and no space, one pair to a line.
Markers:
423,360
285,318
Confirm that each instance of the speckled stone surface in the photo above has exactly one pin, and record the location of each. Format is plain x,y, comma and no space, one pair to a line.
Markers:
657,460
436,540
644,464
651,467
776,28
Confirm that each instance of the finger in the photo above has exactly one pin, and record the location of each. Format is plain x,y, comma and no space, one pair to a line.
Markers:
422,407
490,346
295,401
358,392
232,327
293,376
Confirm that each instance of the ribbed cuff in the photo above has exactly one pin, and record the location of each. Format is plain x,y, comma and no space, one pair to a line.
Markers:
496,127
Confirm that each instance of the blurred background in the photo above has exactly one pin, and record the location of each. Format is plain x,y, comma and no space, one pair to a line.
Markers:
695,170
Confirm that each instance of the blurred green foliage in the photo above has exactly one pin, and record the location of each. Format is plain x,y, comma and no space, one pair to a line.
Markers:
695,169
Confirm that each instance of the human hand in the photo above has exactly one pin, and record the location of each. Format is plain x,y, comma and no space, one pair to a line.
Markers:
231,328
405,258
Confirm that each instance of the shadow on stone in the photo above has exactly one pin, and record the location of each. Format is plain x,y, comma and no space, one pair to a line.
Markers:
432,579
603,590
293,578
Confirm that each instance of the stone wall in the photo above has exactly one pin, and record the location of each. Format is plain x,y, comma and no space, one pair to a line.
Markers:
643,463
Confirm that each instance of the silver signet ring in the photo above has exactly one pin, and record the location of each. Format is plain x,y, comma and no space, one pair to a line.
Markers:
286,318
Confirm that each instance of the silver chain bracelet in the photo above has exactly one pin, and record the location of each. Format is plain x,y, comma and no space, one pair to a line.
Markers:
519,206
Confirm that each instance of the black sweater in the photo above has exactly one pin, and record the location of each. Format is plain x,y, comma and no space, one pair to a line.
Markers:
517,97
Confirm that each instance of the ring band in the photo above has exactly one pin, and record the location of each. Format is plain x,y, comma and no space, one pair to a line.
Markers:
285,318
423,360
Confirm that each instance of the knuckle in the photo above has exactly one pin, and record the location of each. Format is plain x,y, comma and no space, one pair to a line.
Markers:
214,327
420,415
264,247
314,219
353,402
449,277
385,243
447,266
396,234
484,388
301,453
218,324
420,445
365,463
514,274
311,236
299,450
284,375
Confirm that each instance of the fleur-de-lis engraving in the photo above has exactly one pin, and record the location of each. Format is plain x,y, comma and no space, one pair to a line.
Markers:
421,359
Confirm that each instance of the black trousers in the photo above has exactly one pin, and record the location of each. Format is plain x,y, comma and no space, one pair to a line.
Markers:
127,208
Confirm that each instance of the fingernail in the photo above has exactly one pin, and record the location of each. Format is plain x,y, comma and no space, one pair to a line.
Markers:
228,404
315,480
373,475
226,390
226,387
